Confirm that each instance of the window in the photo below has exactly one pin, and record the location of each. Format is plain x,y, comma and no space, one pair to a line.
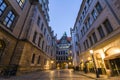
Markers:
89,2
94,37
84,45
83,14
21,3
94,14
42,44
108,26
87,45
101,32
89,22
33,58
2,7
86,26
99,7
34,37
9,19
42,26
85,9
38,21
44,31
45,61
91,42
83,30
39,41
38,60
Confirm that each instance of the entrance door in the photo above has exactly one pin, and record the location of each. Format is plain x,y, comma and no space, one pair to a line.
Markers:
115,65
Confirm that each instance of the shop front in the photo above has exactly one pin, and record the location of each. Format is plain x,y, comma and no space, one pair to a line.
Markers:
112,61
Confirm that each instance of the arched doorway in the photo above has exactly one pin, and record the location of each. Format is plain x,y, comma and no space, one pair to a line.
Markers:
112,60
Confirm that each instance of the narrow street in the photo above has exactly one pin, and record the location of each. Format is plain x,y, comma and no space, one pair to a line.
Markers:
66,74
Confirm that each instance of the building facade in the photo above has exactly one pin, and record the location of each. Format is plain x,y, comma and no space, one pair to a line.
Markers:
75,47
64,54
27,42
98,24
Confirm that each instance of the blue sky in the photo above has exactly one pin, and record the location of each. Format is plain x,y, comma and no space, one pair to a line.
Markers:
63,14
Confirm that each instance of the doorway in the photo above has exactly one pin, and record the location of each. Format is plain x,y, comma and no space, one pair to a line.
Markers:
115,66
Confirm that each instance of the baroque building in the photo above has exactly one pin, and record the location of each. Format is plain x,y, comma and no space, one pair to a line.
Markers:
97,28
27,42
64,54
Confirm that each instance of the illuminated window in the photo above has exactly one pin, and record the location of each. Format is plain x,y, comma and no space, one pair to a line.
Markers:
2,7
21,3
9,19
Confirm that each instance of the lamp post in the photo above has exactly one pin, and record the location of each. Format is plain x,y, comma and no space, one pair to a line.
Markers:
96,70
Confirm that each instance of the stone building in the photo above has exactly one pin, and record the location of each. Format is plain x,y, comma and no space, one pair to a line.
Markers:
27,42
75,47
63,54
98,29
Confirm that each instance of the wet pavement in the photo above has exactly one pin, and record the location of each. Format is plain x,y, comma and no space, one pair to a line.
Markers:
67,74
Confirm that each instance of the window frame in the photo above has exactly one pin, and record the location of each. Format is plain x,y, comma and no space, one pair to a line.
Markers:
8,18
1,4
109,27
101,32
23,3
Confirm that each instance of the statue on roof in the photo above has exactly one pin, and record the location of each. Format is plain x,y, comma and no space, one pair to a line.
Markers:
64,34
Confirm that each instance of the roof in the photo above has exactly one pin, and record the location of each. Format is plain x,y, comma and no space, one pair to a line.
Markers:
68,39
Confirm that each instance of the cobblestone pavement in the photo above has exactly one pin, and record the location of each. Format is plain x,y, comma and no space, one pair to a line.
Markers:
50,75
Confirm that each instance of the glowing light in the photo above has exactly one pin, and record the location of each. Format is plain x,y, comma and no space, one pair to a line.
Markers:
52,62
70,63
91,51
117,51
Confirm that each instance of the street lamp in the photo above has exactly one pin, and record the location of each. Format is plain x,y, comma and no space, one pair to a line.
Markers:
96,70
